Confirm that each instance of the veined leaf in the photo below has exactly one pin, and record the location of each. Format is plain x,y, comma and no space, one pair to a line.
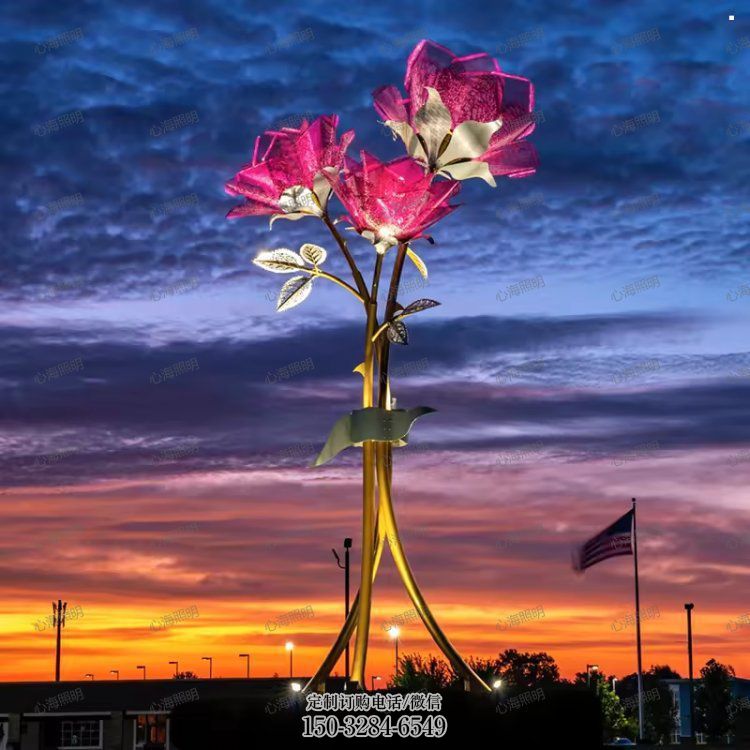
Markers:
298,198
295,291
371,423
280,260
418,306
313,254
397,333
417,261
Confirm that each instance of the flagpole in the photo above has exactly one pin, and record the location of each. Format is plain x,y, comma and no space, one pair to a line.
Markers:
638,628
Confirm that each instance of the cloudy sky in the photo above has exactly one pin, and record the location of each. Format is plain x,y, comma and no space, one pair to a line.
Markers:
622,371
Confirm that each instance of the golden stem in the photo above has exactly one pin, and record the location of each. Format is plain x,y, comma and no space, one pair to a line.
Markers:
388,520
384,467
334,279
358,280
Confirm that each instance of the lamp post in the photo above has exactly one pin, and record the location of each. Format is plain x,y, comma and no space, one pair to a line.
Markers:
143,667
372,681
589,669
210,660
345,568
689,609
58,619
289,646
393,633
115,672
614,684
176,667
247,664
89,674
497,684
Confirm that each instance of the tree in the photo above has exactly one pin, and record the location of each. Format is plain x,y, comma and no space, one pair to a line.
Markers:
416,674
518,669
659,705
712,699
614,721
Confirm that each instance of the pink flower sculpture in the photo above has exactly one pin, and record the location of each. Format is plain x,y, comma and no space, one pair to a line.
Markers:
285,178
462,117
391,202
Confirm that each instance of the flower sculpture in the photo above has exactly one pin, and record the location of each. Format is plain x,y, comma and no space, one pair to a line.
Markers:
287,181
462,118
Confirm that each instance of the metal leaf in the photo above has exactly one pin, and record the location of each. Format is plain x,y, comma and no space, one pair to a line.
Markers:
417,261
280,260
295,291
313,254
397,333
418,306
371,423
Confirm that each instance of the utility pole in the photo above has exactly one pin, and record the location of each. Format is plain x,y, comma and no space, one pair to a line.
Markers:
58,620
689,610
345,568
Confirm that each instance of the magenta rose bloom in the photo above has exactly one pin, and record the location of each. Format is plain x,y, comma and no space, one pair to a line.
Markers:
462,116
285,178
391,202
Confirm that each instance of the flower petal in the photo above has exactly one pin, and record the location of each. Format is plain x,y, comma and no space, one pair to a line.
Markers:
470,140
467,169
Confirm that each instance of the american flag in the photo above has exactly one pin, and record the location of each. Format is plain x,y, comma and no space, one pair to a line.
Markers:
615,540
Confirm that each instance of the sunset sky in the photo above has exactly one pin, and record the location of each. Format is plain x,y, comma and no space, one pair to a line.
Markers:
133,499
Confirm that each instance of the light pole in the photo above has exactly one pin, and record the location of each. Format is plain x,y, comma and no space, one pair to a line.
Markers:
614,684
394,633
247,664
115,672
372,680
176,667
589,669
88,674
58,619
689,609
143,667
345,568
497,684
210,660
289,646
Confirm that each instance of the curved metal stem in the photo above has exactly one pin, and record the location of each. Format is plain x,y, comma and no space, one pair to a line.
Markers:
358,280
471,678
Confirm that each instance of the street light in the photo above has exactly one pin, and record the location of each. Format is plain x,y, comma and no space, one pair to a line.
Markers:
247,657
497,684
88,674
210,660
372,679
345,568
614,684
176,667
141,666
296,687
115,672
289,646
689,609
589,669
393,633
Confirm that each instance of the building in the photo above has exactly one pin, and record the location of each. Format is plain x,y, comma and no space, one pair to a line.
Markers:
681,693
128,714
